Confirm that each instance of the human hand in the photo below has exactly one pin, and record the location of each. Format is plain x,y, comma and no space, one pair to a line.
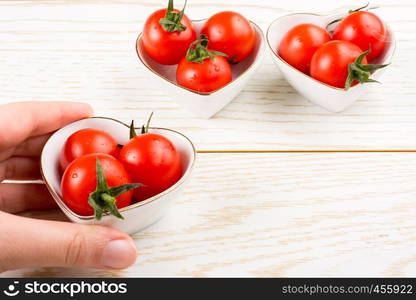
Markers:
25,242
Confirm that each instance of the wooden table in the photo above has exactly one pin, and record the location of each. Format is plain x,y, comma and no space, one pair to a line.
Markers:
281,186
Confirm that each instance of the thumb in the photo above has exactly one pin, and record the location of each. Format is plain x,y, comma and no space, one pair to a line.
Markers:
28,242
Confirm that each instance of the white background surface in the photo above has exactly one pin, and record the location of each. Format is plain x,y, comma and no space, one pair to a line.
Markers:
243,214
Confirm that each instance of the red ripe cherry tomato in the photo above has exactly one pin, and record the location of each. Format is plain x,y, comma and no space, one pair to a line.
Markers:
164,43
203,70
152,160
205,77
364,29
330,62
87,141
80,180
300,43
230,33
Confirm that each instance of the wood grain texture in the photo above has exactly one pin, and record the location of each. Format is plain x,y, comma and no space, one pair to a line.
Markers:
84,51
338,214
243,214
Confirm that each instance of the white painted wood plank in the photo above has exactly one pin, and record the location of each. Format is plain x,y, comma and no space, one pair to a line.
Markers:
283,215
84,51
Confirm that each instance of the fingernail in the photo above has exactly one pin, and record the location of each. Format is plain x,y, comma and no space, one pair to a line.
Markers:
90,112
119,254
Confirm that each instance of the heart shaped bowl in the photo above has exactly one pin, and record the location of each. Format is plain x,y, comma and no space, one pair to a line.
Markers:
136,216
331,98
204,105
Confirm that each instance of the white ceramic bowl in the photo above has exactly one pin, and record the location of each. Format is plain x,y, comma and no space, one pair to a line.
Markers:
204,105
331,98
136,216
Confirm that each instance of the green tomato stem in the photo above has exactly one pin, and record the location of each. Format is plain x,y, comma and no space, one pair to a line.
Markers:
172,20
103,200
361,72
198,51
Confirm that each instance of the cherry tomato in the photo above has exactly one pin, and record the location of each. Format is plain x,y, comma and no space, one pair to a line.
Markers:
230,33
87,141
167,43
330,62
203,70
300,43
364,29
152,160
80,180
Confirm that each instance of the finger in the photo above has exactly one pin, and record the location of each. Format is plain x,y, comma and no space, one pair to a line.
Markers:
27,119
28,243
17,197
20,168
32,146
